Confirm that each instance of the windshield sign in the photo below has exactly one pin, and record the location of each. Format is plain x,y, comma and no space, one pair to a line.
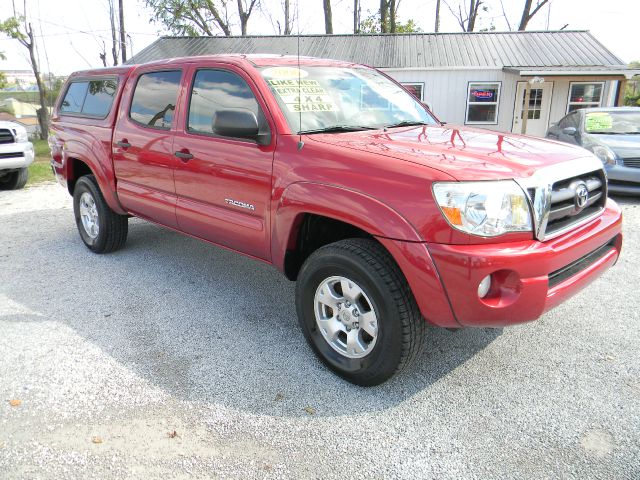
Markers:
612,123
321,98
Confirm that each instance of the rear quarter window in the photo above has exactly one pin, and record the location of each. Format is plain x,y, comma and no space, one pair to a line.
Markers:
91,98
154,99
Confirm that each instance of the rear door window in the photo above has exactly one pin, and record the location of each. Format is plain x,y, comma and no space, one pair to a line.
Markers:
154,99
91,98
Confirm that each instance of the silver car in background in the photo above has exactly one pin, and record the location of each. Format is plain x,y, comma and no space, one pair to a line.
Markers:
613,135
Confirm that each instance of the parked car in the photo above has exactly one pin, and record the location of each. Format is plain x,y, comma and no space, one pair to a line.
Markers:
337,176
613,135
16,154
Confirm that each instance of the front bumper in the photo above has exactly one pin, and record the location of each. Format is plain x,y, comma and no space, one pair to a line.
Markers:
16,155
623,180
520,271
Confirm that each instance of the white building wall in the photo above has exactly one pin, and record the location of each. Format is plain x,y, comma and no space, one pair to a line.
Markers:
445,91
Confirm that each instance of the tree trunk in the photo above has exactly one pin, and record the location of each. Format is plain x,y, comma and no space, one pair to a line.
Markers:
384,9
473,12
392,16
43,113
287,18
123,37
328,21
356,17
527,14
114,34
437,26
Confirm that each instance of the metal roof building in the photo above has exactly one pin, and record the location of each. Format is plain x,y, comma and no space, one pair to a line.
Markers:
471,78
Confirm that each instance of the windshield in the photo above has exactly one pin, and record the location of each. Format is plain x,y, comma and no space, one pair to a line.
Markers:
338,99
612,123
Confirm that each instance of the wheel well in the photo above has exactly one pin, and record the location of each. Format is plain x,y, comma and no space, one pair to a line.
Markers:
77,169
311,232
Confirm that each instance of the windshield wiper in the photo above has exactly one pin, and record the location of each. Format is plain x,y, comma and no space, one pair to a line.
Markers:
337,128
407,123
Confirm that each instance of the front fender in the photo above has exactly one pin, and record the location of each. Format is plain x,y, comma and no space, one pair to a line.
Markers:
349,206
91,154
393,231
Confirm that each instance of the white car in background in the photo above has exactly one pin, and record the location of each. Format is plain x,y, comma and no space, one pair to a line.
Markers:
16,154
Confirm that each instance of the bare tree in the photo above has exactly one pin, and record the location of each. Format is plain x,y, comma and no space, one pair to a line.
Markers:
527,13
328,19
287,18
115,46
466,18
437,26
504,14
19,28
123,36
356,17
245,7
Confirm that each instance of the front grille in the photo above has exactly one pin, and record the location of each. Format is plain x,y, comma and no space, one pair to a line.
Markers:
631,162
12,155
564,211
570,270
6,136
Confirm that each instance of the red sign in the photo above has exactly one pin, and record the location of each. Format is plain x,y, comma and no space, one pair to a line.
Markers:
485,94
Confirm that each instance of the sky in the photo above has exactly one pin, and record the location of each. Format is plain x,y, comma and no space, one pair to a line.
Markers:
71,33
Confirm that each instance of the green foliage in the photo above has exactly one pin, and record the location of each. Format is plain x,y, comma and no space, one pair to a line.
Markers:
11,28
191,17
371,24
3,81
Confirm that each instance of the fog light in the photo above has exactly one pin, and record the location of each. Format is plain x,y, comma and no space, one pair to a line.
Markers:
484,286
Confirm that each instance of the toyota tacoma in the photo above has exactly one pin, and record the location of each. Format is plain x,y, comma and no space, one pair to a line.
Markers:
336,175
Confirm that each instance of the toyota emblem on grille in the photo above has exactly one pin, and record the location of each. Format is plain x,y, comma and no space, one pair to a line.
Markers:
582,195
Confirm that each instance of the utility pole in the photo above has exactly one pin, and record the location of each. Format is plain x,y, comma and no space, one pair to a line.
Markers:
123,37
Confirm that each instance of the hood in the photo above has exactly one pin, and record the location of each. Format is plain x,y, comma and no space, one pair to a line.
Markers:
7,124
464,153
625,146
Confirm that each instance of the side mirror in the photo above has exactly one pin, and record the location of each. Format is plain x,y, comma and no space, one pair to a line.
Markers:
238,124
571,131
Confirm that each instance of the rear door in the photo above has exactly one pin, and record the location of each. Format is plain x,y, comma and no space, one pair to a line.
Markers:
143,155
223,184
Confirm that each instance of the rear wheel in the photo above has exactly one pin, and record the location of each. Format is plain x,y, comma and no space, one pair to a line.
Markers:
14,180
357,311
102,230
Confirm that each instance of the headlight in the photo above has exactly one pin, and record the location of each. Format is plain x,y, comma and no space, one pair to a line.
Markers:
484,208
604,153
21,135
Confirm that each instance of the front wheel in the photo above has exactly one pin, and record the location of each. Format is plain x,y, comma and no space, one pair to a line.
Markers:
102,230
14,180
357,312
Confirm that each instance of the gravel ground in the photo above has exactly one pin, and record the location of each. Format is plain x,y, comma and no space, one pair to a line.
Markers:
175,359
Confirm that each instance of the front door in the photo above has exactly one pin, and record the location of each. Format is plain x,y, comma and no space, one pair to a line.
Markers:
539,107
223,184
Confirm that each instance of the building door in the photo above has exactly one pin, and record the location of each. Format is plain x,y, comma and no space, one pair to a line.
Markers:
539,107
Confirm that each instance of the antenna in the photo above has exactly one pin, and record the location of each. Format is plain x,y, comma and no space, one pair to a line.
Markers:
300,142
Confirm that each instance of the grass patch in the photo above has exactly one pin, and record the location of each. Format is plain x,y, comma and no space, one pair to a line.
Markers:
40,169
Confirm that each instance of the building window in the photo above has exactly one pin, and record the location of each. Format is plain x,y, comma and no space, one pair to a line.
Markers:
415,89
482,102
584,95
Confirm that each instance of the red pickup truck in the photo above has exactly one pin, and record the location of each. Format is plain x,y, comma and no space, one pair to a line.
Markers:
341,179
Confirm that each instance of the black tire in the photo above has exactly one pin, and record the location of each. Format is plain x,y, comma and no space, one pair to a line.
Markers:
112,228
14,180
401,327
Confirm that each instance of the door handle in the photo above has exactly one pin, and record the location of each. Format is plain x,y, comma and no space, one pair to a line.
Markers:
123,144
184,156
